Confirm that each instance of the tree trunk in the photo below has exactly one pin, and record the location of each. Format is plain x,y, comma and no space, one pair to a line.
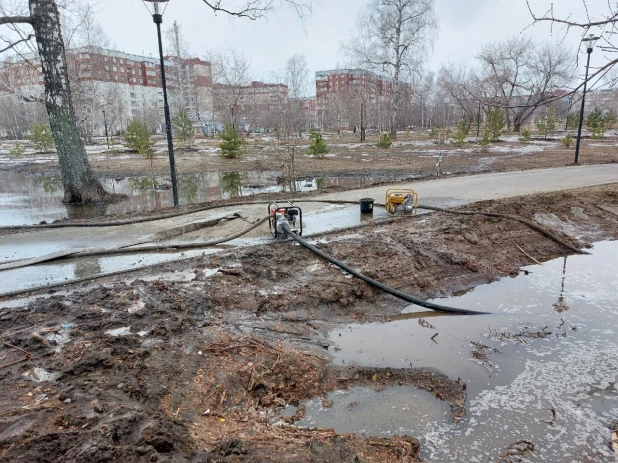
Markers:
80,185
395,112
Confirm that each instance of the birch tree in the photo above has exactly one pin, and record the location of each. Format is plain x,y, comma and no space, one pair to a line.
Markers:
393,38
80,184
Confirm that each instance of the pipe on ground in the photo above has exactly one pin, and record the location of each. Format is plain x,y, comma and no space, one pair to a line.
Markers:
377,284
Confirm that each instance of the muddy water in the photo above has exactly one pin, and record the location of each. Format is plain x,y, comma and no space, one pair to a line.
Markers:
29,199
551,347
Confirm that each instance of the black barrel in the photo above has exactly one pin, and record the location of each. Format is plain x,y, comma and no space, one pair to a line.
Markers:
366,205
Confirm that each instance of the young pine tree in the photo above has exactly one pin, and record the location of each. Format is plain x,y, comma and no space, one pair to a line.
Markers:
41,137
547,124
462,133
525,136
595,122
137,136
385,141
495,123
183,128
231,144
318,145
137,139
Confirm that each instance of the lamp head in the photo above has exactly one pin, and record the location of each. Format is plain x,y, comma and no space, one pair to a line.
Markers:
155,9
590,42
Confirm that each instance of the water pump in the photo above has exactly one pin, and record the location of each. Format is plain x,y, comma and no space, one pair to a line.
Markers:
288,214
401,201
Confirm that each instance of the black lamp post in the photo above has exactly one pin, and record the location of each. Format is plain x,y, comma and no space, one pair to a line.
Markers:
590,41
157,17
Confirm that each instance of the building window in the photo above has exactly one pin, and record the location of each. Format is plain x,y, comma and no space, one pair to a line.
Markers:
115,69
107,68
121,61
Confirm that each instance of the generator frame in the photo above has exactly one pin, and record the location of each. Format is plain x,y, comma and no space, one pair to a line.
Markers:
280,214
397,197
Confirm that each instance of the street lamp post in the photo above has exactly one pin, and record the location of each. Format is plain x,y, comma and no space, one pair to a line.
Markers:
157,17
590,41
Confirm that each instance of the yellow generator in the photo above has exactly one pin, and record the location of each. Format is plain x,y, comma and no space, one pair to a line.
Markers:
402,201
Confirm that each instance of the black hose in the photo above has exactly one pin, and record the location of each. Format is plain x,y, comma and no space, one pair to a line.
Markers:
376,284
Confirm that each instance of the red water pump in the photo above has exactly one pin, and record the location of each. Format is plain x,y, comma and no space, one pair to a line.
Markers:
285,214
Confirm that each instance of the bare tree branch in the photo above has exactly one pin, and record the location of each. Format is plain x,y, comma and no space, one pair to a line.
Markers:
15,20
256,9
14,44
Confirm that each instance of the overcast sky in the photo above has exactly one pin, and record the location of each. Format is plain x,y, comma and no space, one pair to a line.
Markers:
464,27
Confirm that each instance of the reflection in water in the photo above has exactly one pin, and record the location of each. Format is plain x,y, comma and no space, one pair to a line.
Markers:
561,306
188,187
142,183
28,199
539,360
50,183
86,211
231,184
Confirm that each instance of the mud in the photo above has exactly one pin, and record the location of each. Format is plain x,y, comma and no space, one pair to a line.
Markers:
142,369
412,154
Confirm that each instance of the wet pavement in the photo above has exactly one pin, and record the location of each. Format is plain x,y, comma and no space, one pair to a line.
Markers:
318,218
544,368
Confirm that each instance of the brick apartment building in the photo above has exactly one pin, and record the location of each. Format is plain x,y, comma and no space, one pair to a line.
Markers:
339,93
249,106
122,84
127,86
346,81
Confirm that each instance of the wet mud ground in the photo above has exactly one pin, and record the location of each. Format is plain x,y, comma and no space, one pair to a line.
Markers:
411,154
197,362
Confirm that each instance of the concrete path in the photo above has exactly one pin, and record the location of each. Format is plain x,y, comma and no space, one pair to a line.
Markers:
446,192
482,187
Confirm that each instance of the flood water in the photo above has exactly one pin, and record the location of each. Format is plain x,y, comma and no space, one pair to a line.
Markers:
27,199
549,377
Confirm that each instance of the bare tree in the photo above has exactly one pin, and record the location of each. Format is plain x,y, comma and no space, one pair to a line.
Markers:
606,24
80,185
522,76
297,79
231,73
393,38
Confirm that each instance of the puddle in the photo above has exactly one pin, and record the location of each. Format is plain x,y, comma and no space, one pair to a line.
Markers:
39,375
22,279
29,198
551,344
124,331
365,411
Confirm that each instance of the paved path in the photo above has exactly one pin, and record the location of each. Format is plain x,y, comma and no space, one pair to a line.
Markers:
496,186
449,191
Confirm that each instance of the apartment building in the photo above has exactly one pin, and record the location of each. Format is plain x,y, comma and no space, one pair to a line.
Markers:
604,99
337,82
257,105
122,84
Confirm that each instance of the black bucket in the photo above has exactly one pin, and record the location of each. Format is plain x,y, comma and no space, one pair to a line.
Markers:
366,206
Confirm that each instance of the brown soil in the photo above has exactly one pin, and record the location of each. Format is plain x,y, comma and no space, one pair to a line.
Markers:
356,160
220,356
